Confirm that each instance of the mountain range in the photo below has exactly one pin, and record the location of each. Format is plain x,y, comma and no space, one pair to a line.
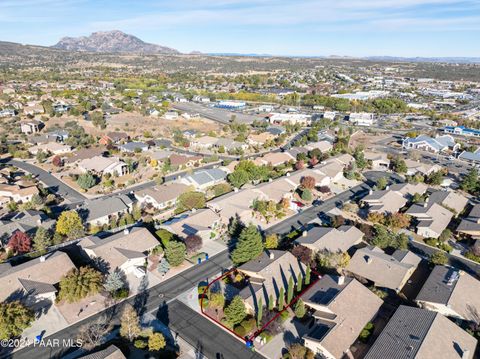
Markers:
113,42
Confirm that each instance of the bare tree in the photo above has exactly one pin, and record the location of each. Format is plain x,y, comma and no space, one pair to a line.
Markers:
93,334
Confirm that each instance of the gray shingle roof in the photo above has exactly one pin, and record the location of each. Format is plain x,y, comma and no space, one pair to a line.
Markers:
422,334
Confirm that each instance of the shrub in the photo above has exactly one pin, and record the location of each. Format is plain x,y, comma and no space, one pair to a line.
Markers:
140,344
240,330
284,315
249,324
164,236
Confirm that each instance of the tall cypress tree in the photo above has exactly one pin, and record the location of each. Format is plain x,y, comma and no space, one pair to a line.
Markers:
259,311
290,290
299,282
271,303
307,276
281,299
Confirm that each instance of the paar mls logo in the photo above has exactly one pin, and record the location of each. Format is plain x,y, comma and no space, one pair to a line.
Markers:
56,343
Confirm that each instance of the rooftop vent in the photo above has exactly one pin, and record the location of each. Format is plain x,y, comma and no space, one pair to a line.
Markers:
341,280
126,231
42,259
272,255
304,233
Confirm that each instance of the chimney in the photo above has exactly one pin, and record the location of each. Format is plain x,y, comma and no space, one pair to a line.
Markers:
370,192
39,221
270,180
42,259
126,231
272,256
288,174
465,354
304,233
368,259
341,280
235,190
387,188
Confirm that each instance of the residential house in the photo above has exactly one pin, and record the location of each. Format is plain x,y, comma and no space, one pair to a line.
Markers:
274,159
203,143
393,198
203,222
34,281
323,146
114,137
462,131
230,145
131,147
422,334
436,145
361,118
161,197
50,147
7,112
177,160
470,225
276,130
110,352
85,153
99,211
124,250
25,221
342,308
31,126
451,292
236,203
171,115
373,265
414,167
432,218
58,135
33,109
17,193
334,240
378,161
204,179
267,274
260,139
103,165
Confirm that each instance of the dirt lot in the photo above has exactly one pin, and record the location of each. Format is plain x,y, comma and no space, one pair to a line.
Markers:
136,124
366,139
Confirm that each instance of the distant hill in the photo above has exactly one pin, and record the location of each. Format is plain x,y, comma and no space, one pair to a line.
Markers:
112,42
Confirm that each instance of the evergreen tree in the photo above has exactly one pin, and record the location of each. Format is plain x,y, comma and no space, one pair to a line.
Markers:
300,309
86,181
175,253
260,311
235,312
42,239
163,266
290,290
271,302
249,246
307,275
470,182
281,299
299,282
114,282
80,283
14,319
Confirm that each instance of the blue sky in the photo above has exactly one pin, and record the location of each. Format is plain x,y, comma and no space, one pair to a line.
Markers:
279,27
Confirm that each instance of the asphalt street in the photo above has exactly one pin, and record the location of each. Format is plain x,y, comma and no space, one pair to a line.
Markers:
51,182
301,219
154,299
205,336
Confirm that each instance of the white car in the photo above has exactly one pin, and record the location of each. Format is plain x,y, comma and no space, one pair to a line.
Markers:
139,272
